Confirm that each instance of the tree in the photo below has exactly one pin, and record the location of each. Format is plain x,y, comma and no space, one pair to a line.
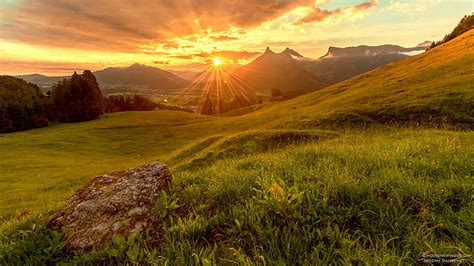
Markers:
121,103
466,23
22,105
78,99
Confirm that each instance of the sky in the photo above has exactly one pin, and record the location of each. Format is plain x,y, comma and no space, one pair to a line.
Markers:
57,37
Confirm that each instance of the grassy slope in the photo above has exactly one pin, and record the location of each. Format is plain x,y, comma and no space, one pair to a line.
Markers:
437,83
41,167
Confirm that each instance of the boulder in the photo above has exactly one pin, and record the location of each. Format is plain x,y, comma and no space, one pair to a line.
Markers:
117,203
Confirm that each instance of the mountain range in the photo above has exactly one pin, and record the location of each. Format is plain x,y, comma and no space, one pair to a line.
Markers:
293,74
288,71
135,76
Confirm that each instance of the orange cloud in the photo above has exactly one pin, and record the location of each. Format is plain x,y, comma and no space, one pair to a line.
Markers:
317,14
221,38
45,67
127,25
230,55
181,56
161,62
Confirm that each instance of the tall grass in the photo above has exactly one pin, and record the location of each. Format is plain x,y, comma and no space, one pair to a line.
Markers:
371,197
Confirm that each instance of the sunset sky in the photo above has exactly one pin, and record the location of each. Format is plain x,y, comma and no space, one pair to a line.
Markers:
56,37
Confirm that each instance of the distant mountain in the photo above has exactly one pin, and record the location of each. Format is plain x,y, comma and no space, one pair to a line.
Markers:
140,75
293,74
279,71
134,76
425,44
41,80
364,51
339,64
189,75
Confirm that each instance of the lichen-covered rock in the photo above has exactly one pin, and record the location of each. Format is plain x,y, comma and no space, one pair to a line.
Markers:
113,204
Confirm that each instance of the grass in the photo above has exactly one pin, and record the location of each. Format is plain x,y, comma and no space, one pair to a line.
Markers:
42,167
372,197
373,170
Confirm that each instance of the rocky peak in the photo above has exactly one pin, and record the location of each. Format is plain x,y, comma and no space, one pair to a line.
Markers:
268,51
292,52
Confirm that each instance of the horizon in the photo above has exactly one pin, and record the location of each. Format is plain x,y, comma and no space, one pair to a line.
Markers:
41,37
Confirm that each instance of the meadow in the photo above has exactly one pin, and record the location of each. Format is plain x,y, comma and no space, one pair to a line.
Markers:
374,170
371,196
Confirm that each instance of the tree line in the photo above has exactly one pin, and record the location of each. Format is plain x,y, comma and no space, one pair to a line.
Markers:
77,99
466,23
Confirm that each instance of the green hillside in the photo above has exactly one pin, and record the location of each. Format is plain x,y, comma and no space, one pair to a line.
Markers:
325,177
433,88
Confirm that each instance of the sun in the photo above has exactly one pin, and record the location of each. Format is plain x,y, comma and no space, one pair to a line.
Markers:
216,61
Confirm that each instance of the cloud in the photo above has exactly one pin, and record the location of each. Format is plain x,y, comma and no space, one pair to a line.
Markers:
45,67
230,55
181,56
223,38
317,14
161,62
127,25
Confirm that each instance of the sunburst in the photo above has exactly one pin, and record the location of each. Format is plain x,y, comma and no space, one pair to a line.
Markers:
220,90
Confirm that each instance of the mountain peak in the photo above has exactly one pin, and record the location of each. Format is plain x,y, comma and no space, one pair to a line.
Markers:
268,51
136,65
366,50
425,44
291,52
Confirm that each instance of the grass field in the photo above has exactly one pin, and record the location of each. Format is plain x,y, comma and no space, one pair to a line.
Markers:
377,169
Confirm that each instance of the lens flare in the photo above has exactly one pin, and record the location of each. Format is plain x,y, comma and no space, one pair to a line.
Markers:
220,90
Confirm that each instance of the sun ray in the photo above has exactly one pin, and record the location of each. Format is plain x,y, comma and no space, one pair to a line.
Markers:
221,90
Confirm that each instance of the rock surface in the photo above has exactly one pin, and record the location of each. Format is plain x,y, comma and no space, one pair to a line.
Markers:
117,203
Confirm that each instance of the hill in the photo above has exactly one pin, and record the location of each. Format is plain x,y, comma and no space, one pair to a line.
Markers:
44,82
135,77
431,88
140,75
271,186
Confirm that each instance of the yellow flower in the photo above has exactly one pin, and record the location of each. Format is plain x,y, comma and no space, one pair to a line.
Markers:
276,190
